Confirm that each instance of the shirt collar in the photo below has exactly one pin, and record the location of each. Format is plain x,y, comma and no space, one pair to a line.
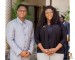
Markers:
64,22
21,21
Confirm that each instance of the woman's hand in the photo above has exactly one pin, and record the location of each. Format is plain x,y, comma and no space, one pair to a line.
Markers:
52,51
46,51
49,51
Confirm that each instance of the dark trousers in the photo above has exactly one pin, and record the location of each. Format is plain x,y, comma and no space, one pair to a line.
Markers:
66,57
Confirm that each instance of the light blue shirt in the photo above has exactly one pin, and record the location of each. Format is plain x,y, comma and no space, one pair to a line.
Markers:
20,36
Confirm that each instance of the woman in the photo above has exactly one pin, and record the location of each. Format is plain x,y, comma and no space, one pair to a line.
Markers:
50,36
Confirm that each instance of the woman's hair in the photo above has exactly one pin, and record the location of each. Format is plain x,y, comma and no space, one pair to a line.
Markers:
43,19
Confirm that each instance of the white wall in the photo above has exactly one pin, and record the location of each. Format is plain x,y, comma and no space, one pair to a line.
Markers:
61,5
47,2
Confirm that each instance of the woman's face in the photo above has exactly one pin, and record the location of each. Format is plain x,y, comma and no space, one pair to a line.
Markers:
49,14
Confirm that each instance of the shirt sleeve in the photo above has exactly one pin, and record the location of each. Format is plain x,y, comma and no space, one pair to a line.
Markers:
68,28
31,47
37,35
10,32
63,35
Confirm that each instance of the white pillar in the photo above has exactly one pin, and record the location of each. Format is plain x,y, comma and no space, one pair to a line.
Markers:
8,10
47,2
8,14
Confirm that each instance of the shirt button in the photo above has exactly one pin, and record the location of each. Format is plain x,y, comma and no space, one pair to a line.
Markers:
25,34
25,41
24,28
24,47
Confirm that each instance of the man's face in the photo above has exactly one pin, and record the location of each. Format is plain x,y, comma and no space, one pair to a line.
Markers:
21,12
61,19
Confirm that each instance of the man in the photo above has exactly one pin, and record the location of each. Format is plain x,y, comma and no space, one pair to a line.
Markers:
66,24
20,35
67,27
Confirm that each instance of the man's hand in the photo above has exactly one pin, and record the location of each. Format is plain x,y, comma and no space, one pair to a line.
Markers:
27,54
68,38
24,54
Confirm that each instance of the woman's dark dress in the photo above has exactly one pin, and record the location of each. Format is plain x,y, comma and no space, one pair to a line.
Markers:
50,37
